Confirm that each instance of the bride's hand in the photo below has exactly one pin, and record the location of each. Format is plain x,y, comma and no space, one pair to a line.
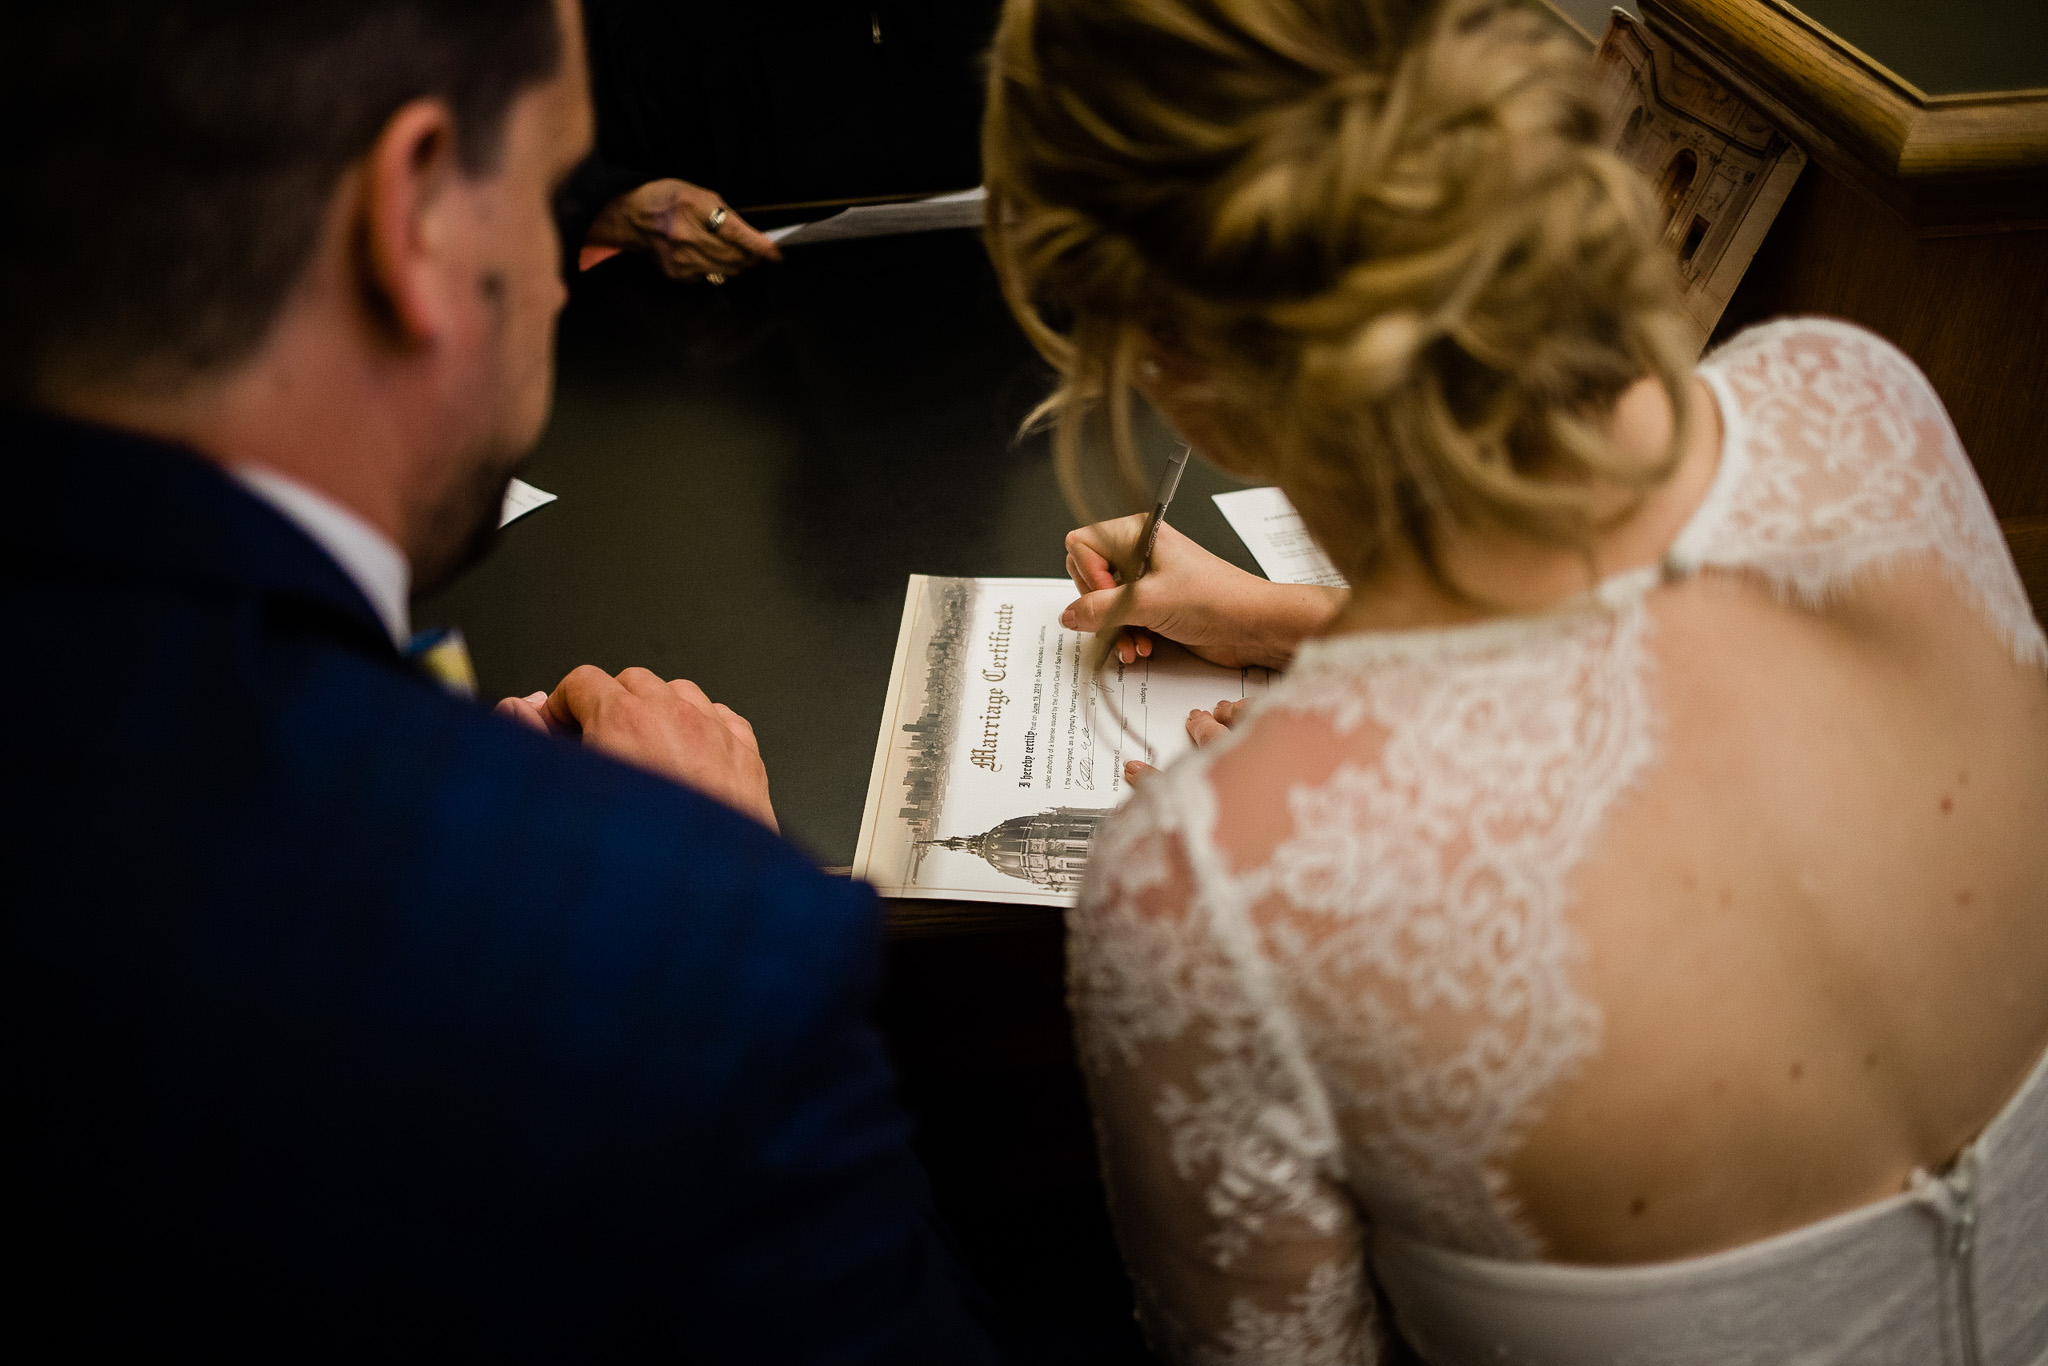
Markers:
1211,606
1203,726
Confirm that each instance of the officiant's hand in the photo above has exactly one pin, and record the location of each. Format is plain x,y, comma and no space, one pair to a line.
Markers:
665,725
672,221
1204,602
1203,726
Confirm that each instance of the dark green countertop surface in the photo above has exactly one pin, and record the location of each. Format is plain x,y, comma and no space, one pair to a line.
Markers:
1955,47
748,474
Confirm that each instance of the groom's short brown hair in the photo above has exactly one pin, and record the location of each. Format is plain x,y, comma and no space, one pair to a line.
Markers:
168,163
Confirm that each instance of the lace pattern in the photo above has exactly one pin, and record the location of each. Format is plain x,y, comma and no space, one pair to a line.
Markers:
1315,1329
1844,458
1424,895
1355,1018
1238,1113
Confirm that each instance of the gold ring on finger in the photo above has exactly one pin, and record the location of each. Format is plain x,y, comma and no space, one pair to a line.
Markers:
714,277
716,220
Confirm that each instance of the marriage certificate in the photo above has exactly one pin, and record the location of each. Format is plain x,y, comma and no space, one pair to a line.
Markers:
1000,754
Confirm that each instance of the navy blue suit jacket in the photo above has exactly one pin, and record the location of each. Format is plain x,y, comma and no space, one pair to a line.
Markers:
351,1019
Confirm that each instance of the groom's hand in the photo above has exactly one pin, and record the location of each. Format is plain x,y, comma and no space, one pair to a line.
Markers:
667,726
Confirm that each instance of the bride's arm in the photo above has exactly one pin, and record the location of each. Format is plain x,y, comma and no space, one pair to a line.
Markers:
1191,596
1215,1149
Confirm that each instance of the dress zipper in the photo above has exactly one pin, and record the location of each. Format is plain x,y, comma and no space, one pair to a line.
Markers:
1953,1198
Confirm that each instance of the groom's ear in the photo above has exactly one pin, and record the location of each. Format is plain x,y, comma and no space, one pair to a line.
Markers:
412,258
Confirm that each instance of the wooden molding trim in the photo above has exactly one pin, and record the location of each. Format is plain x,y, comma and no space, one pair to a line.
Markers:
1569,24
1984,155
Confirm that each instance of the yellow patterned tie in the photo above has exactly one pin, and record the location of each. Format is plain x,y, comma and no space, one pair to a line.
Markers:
443,655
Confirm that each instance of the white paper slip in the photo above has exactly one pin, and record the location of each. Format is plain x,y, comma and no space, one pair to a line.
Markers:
999,755
520,499
1278,539
961,210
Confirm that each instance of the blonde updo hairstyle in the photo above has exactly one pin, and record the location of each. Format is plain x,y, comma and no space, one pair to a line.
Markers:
1387,233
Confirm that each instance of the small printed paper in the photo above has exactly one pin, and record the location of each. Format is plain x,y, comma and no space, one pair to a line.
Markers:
961,210
1278,539
520,499
1000,754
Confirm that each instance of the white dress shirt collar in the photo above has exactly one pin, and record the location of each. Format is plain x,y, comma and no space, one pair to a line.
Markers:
365,554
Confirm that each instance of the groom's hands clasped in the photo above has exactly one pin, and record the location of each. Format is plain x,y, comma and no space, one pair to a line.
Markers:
667,726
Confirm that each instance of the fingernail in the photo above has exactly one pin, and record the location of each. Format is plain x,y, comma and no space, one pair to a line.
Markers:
1067,618
537,698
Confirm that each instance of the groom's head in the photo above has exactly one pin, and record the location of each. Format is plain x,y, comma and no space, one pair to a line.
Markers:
209,206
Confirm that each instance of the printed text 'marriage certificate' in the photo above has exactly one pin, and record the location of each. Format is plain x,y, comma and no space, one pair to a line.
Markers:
999,755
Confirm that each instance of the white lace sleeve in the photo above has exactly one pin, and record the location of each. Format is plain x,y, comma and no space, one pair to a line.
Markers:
1243,1245
1846,460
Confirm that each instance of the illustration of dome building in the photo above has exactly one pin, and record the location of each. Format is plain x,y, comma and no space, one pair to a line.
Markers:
1050,848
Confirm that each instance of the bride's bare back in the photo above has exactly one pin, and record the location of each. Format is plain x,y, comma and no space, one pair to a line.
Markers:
1817,930
1684,914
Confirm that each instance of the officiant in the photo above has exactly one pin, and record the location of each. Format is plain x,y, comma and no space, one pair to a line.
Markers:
707,113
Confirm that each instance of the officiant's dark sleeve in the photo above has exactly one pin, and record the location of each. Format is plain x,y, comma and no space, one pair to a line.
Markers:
582,198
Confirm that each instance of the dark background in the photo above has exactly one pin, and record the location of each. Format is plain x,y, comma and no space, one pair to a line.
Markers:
795,101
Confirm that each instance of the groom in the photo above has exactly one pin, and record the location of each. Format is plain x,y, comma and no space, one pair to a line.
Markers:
349,1019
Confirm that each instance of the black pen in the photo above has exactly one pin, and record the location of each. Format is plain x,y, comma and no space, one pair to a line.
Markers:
1169,484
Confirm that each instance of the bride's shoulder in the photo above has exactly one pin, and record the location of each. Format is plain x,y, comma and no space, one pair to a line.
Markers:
1839,457
1825,395
1821,389
1232,804
1809,353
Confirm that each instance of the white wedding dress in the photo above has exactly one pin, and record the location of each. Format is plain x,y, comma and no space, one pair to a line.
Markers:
1313,1036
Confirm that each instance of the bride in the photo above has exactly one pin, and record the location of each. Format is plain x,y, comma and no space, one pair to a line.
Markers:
1623,933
